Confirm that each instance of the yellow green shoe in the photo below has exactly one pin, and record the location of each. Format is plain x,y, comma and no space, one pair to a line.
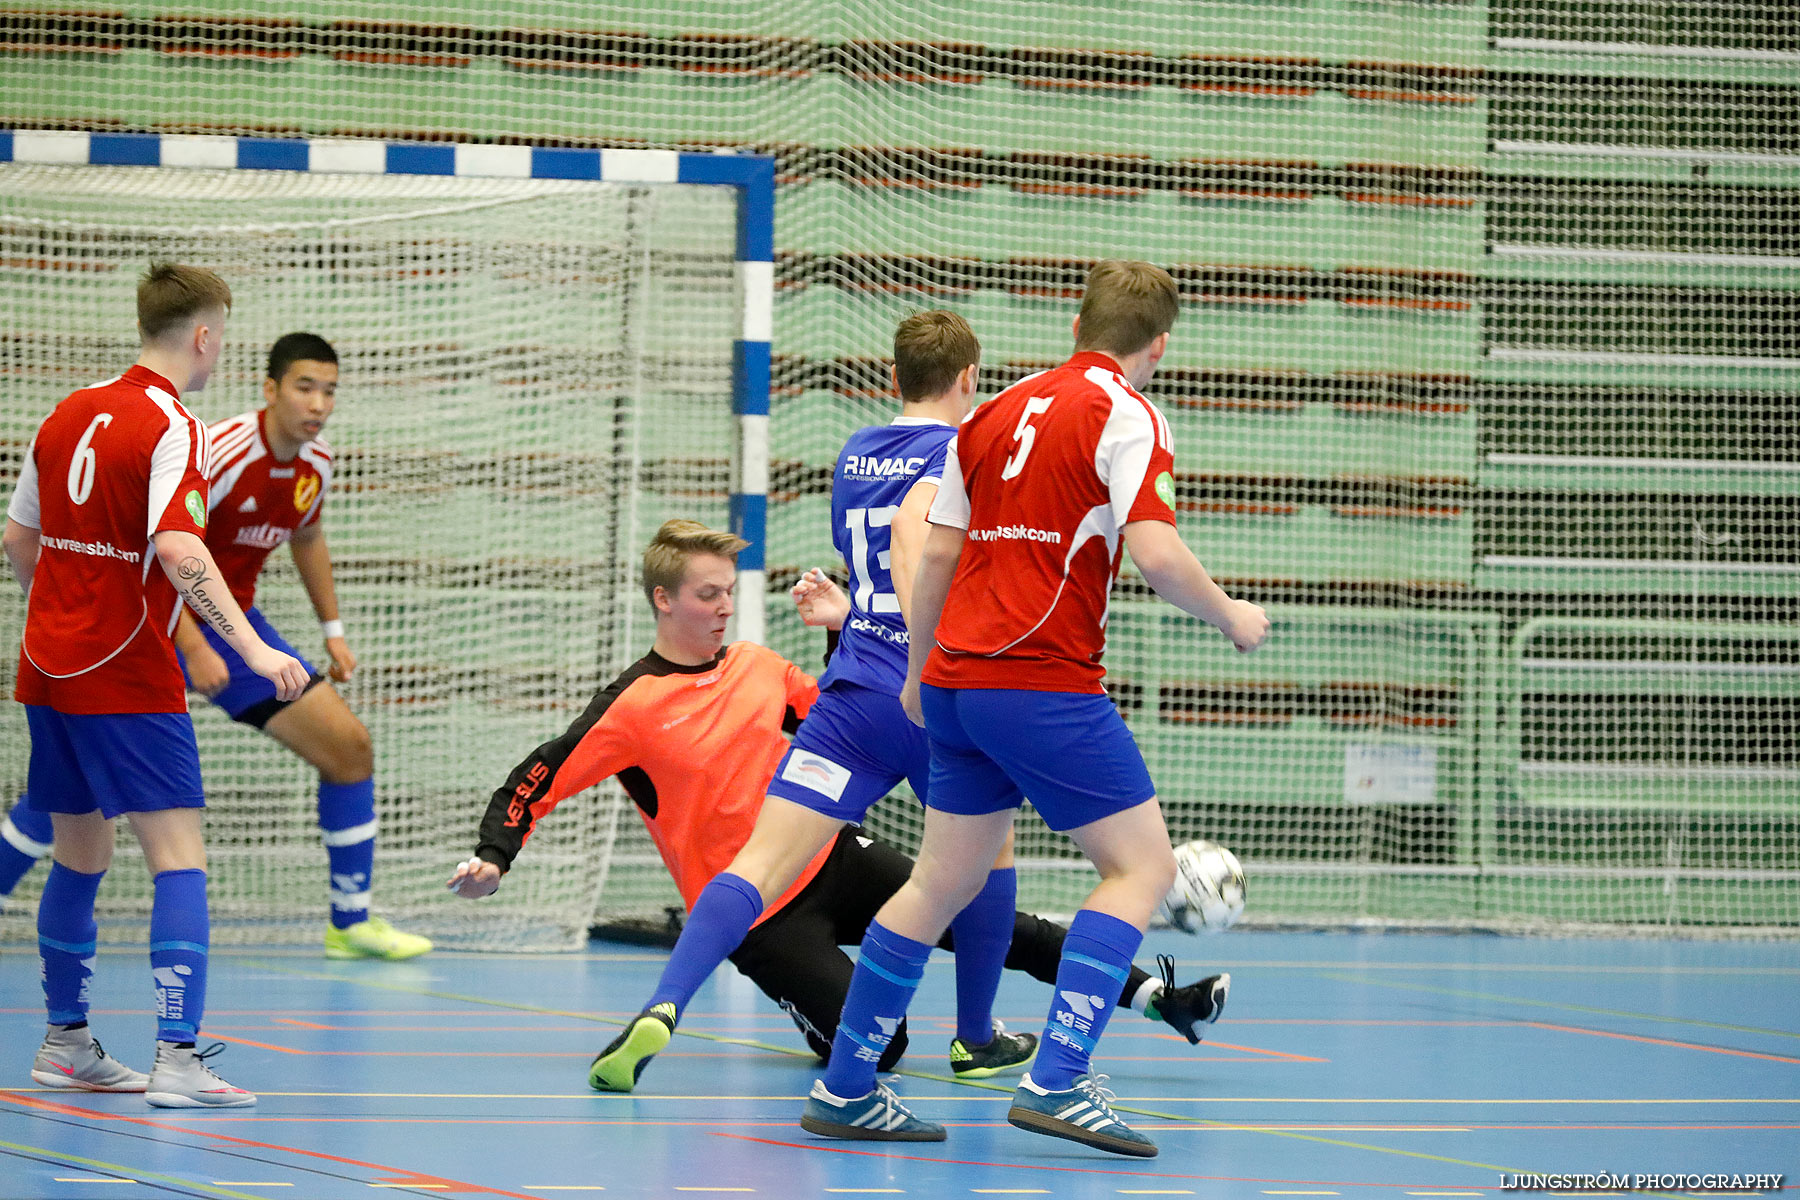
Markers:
616,1068
373,938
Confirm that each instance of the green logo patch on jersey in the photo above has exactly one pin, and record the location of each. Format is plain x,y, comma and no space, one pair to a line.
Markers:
1165,488
196,506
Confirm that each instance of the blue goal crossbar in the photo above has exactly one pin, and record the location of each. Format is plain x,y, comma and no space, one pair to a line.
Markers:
753,177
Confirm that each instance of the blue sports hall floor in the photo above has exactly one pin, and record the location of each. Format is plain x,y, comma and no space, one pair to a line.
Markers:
1346,1065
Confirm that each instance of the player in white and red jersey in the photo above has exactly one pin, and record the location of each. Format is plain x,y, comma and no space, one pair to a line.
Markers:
114,485
270,470
1043,488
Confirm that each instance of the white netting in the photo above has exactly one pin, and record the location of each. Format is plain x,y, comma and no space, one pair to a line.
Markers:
1491,314
534,376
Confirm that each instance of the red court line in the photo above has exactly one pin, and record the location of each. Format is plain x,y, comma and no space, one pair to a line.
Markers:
1632,1037
260,1045
315,1025
393,1174
1268,1053
968,1162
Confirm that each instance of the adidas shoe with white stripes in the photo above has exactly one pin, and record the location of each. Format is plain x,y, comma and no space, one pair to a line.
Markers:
876,1117
1082,1113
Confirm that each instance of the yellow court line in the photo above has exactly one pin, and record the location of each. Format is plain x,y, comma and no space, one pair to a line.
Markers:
248,1183
99,1165
867,1191
1154,1192
562,1187
1000,1088
1446,1193
87,1179
714,1189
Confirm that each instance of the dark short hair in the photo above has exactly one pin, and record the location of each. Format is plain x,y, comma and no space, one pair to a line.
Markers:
171,294
1126,306
290,348
930,350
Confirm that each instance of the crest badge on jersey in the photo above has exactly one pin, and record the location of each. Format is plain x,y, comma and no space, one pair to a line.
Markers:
196,508
306,490
1165,488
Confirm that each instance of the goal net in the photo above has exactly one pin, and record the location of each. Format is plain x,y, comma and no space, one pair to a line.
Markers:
1486,379
535,375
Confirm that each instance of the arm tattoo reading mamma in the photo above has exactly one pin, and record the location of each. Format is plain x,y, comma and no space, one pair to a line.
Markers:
193,574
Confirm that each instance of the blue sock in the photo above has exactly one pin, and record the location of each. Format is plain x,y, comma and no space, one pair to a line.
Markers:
66,934
883,986
1096,959
723,914
983,934
179,934
347,825
25,837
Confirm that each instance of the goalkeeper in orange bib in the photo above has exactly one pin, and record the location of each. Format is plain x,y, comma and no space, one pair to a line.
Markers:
694,731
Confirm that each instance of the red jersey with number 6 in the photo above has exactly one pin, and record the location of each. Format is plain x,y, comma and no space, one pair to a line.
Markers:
258,501
110,468
1043,478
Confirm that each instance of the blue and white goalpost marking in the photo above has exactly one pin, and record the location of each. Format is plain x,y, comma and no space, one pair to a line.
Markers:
753,176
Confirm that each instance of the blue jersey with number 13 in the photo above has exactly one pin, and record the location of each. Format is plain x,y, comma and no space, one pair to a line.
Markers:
879,465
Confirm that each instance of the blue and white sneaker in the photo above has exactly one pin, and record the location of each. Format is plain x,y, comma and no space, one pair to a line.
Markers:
876,1117
1082,1113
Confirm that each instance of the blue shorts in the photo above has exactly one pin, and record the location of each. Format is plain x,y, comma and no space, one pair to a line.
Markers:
1070,752
114,762
249,697
853,748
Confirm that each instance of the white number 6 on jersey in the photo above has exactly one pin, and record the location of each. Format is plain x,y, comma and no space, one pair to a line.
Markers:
82,467
1025,435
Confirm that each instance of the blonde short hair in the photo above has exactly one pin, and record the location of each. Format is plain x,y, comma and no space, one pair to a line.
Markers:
666,558
170,295
1127,305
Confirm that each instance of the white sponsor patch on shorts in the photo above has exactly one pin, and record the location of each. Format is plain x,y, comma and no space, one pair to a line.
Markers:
816,772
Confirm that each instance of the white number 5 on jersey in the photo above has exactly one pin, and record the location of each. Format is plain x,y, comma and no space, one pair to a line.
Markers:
1025,435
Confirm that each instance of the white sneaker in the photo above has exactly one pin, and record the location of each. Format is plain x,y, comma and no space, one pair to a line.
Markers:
181,1079
72,1060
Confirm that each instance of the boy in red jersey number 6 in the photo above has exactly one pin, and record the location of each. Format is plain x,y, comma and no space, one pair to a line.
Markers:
114,485
1043,489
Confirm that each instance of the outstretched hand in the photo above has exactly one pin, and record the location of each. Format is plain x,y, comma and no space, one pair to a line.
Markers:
474,879
820,601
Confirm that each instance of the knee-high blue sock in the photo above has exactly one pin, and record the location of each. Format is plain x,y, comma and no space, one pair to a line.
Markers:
1096,960
347,825
25,837
66,934
179,935
723,914
983,935
885,980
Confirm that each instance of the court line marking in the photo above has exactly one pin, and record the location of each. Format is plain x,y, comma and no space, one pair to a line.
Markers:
1528,1002
802,1054
248,1183
1632,1037
87,1179
99,1118
96,1164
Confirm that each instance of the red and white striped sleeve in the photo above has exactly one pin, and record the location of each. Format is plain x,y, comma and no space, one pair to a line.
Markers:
178,486
1135,456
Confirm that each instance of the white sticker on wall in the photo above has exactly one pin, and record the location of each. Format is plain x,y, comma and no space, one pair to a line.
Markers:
1390,774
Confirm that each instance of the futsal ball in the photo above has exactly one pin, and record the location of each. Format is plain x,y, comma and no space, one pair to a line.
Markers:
1209,889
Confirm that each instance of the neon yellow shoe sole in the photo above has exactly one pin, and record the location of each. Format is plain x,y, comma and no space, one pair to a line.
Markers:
617,1068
